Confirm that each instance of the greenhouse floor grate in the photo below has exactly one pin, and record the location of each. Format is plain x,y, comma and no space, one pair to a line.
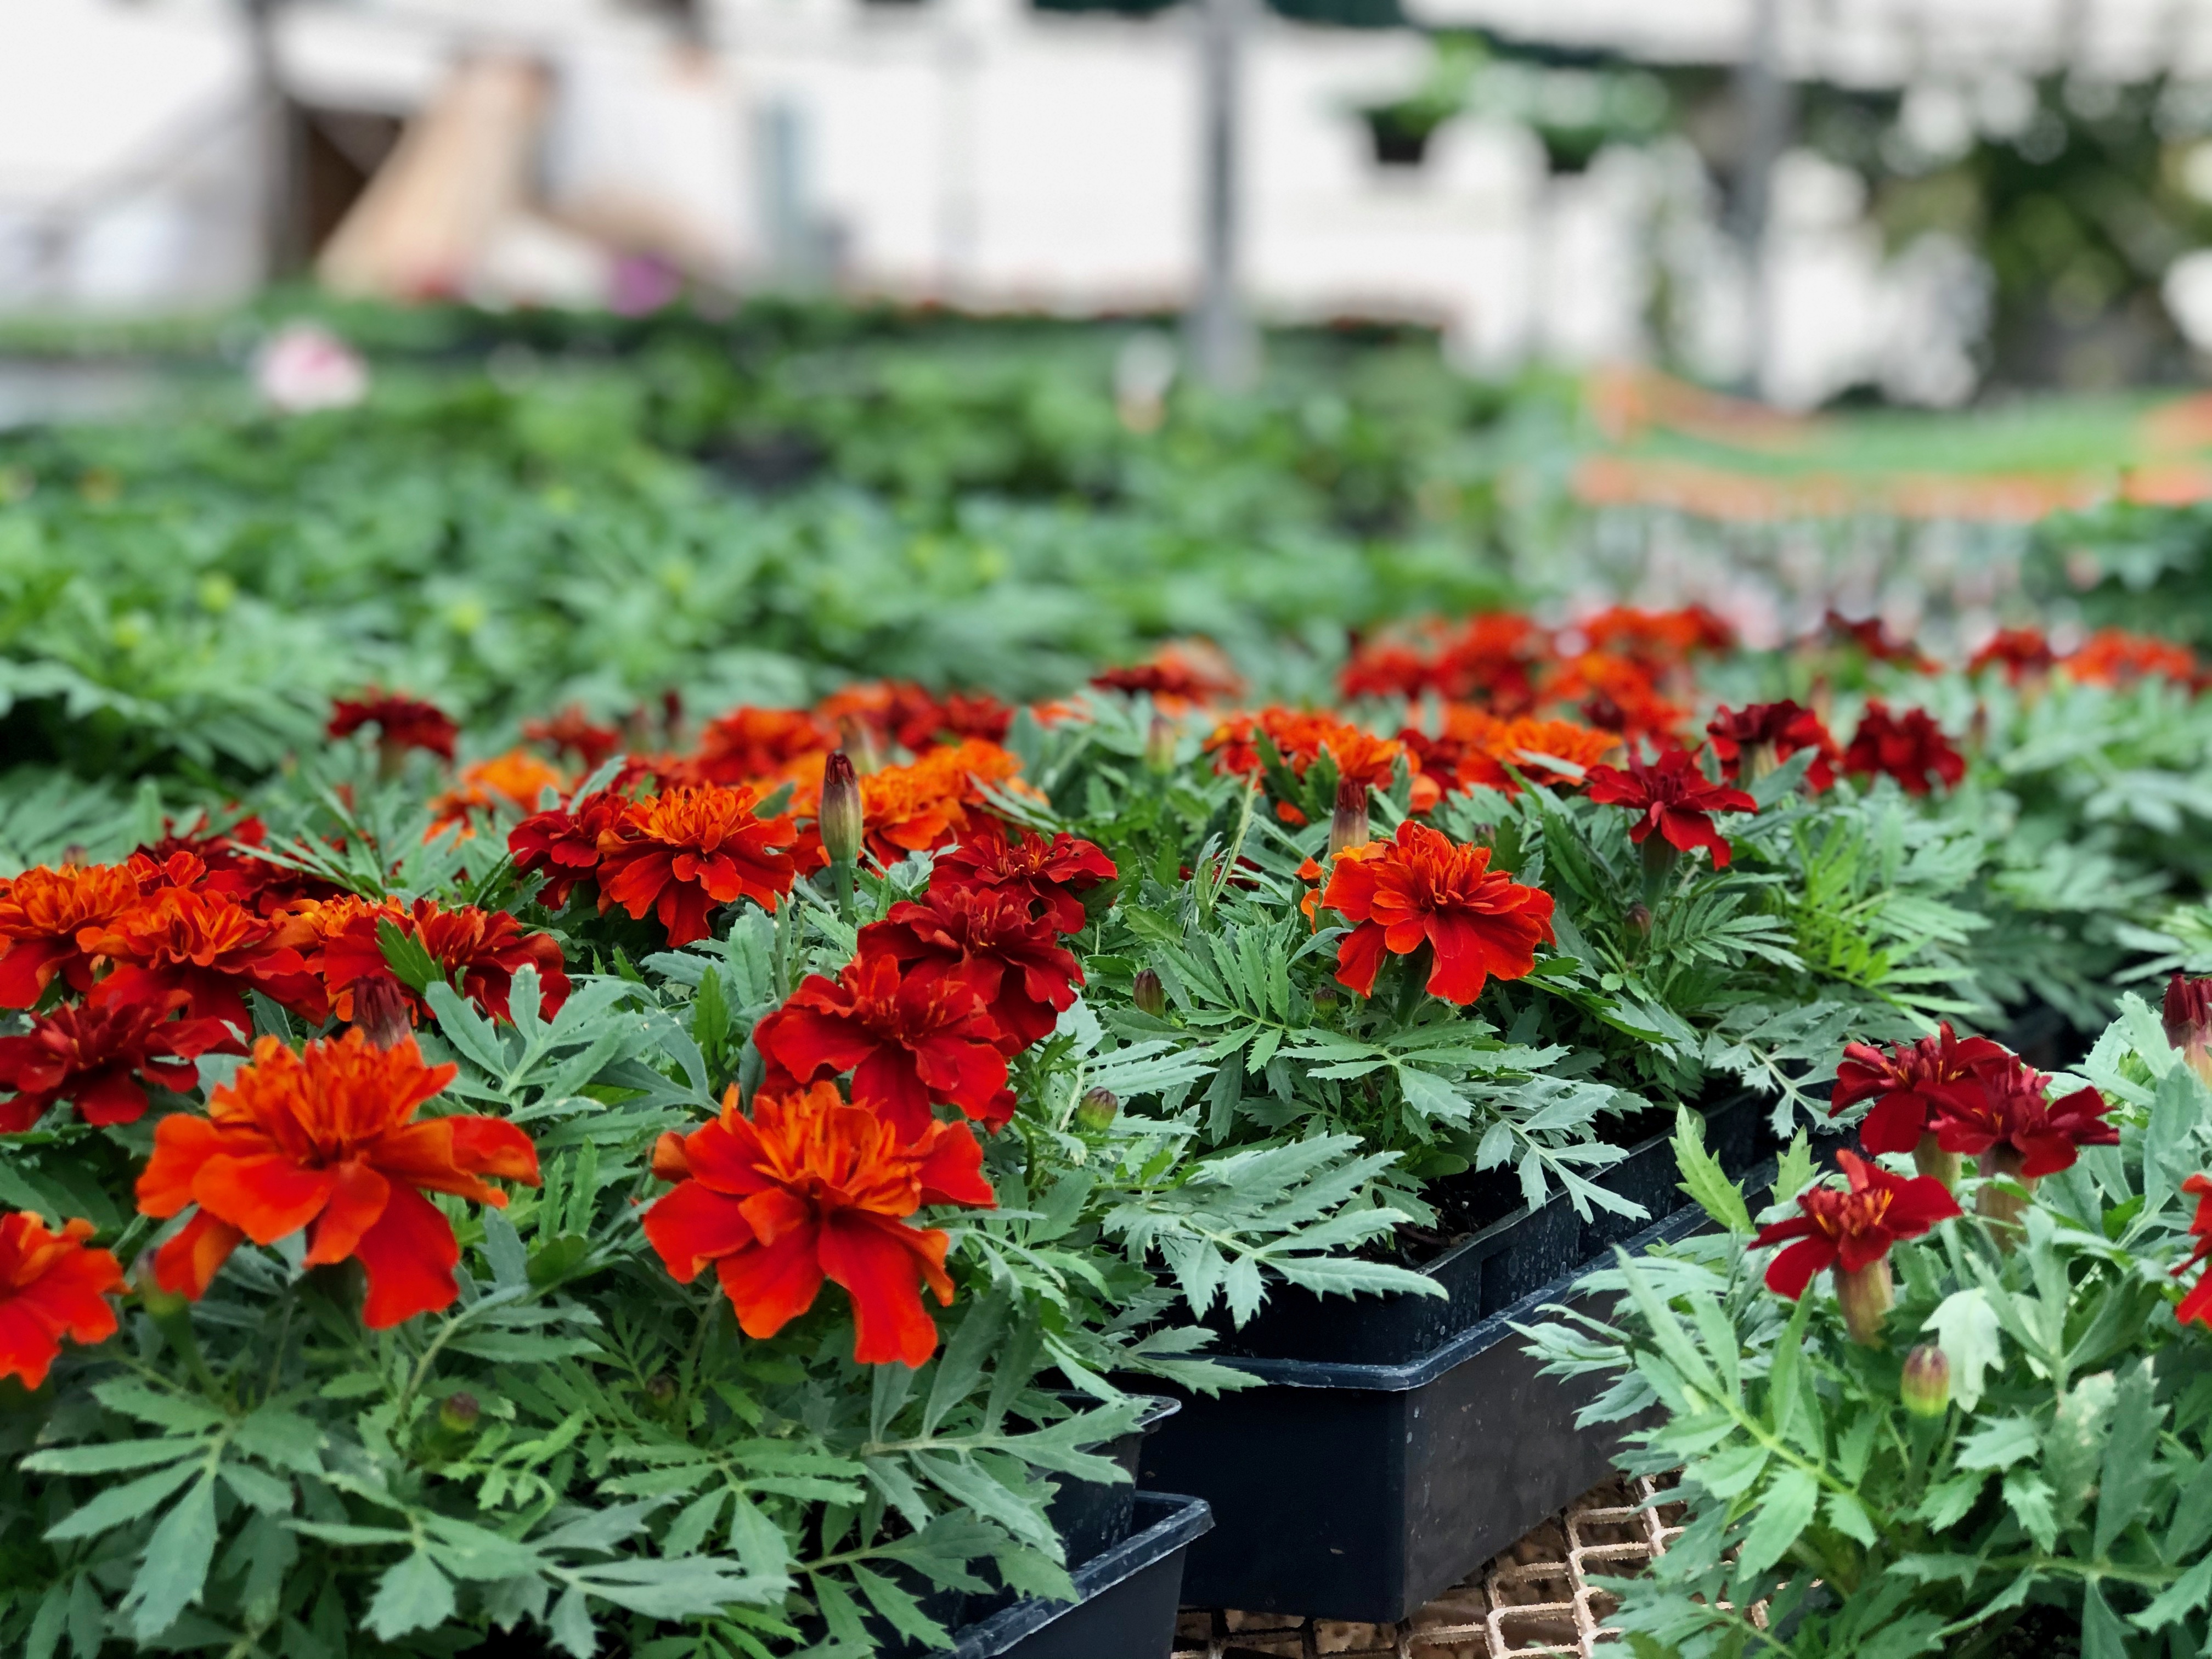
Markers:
1535,1599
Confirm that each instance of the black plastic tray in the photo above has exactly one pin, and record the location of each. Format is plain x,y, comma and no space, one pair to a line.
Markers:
1126,1596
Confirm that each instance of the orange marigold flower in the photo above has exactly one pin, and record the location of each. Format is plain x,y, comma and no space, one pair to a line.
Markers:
563,843
2112,656
1673,797
516,779
1491,659
1656,640
749,744
478,950
1616,694
52,1285
206,944
327,1141
401,722
1475,748
810,1189
900,711
1424,889
572,731
1301,738
681,853
1048,875
42,911
921,807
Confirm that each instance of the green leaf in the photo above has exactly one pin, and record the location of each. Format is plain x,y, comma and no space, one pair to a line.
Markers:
2192,1515
1784,1512
1794,1173
175,1569
2128,1465
166,1411
1730,1471
1849,1517
2028,1494
2184,1596
107,1460
114,1505
1703,1178
900,1609
2073,1445
1967,1330
2102,1636
413,1595
1946,1503
571,1625
411,963
1999,1444
264,1491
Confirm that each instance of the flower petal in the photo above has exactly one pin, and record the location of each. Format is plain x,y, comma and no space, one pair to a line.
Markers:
410,1254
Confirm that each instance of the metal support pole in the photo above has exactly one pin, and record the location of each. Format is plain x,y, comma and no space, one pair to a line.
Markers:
280,216
1223,344
1768,108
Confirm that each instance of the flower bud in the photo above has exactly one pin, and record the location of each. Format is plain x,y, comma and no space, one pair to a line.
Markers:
660,1387
161,1303
840,816
1347,825
1638,918
1925,1386
1867,1296
1324,998
1160,745
2189,1022
380,1012
1149,994
1096,1111
458,1413
670,1161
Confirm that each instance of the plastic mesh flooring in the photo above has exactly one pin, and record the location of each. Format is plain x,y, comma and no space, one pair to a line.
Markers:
1536,1599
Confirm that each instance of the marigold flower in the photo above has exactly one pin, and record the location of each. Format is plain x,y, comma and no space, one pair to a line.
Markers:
2001,1112
562,844
206,944
1852,1231
749,744
1422,888
2021,652
1615,694
42,912
2112,656
907,1039
1474,749
516,779
1180,676
1753,741
1906,747
227,863
1048,874
479,950
327,1140
810,1189
1301,738
986,937
1657,639
1912,1085
901,712
923,806
1491,659
2196,1306
572,731
101,1055
1872,638
1672,797
2188,1017
401,722
52,1285
681,853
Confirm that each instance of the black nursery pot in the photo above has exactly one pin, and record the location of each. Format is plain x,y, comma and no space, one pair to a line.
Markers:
1125,1596
1091,1516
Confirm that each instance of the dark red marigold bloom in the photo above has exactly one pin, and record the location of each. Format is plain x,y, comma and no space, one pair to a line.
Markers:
1912,1085
400,722
1872,638
2188,1015
52,1285
1753,741
1423,888
2020,651
209,946
1851,1229
479,950
748,744
2198,1304
573,731
1906,747
1657,639
1047,873
1181,674
986,937
101,1055
562,844
1672,797
42,912
907,1039
2003,1110
682,853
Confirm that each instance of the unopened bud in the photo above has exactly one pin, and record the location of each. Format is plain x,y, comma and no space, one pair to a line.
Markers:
670,1160
458,1413
1347,825
1324,998
380,1012
660,1387
1149,994
1925,1386
1638,917
2189,1022
1096,1109
841,817
1160,745
1867,1296
145,1279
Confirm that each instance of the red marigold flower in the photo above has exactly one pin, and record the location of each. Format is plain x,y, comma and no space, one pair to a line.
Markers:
479,950
1672,797
1050,874
2003,1112
52,1285
101,1055
2112,656
1655,639
1615,694
923,806
562,844
907,1039
2021,652
1301,738
681,853
401,722
1474,749
1181,676
328,1141
986,936
2198,1304
1871,637
1906,747
810,1189
1912,1085
901,712
1423,888
1754,741
42,911
1852,1231
208,945
748,745
572,731
2188,1017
